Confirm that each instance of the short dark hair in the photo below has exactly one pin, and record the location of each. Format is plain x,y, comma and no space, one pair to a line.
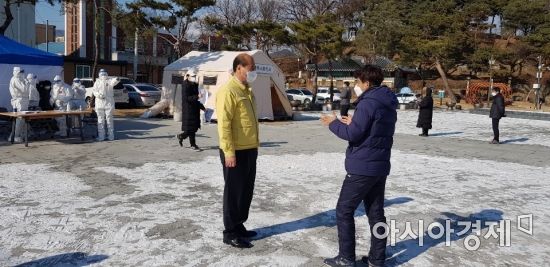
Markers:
496,89
346,83
242,59
371,74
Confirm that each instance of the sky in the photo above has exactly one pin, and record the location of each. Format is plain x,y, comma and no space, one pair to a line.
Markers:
45,11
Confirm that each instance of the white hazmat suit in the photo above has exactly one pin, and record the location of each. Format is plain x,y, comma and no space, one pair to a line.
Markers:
19,90
60,97
34,96
105,105
79,96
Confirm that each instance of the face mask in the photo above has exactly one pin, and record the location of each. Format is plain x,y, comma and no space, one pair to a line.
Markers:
251,76
358,90
192,79
76,84
494,93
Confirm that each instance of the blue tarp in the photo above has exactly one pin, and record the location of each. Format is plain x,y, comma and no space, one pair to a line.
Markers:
12,52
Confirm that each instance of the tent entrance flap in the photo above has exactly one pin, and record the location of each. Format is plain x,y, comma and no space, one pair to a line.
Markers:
279,111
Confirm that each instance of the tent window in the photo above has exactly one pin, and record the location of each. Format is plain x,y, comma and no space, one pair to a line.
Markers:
210,80
82,71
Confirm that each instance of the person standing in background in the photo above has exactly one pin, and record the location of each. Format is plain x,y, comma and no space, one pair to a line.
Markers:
34,95
497,112
425,114
345,99
19,91
105,105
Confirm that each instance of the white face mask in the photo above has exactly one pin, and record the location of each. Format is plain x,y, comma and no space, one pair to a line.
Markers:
251,76
494,93
358,91
192,79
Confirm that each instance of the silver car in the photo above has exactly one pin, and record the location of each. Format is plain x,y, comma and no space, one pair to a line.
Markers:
143,95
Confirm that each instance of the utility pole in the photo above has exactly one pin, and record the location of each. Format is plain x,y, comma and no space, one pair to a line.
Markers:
19,22
47,40
538,85
136,53
492,61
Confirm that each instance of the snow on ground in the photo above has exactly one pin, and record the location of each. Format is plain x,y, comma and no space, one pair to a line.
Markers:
173,218
478,127
464,125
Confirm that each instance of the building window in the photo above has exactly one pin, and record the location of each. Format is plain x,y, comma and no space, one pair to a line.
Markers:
82,71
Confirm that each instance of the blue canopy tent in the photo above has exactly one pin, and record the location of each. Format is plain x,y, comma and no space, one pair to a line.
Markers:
13,54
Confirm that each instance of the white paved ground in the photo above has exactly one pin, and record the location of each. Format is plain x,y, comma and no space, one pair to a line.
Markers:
141,201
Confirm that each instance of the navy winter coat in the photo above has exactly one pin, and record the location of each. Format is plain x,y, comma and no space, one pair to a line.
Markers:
370,135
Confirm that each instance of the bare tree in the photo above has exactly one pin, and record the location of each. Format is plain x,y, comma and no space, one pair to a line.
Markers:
268,10
299,10
236,12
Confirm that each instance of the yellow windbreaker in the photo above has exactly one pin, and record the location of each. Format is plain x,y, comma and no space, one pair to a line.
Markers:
237,118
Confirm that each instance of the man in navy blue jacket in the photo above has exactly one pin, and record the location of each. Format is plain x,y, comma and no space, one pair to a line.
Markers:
370,137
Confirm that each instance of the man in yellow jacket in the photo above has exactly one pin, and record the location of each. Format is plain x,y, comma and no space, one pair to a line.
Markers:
239,142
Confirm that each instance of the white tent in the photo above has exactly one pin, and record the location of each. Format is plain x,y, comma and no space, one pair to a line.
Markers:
214,70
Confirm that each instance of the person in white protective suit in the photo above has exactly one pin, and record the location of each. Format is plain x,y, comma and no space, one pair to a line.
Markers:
105,105
19,91
34,96
60,97
79,99
79,95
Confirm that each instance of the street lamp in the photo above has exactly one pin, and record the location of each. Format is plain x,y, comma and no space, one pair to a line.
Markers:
492,62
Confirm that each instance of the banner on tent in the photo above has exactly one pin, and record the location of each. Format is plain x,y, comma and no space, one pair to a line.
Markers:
264,69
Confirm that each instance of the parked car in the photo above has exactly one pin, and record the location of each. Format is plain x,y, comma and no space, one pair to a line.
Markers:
121,93
323,94
303,95
406,98
143,95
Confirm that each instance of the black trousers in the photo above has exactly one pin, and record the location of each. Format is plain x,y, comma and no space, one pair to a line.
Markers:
238,191
496,132
344,110
192,138
370,190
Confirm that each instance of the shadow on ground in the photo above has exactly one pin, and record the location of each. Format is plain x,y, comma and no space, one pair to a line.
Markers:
446,134
75,259
406,250
325,219
517,140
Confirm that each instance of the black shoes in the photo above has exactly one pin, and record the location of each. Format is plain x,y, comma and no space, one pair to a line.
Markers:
196,148
423,135
237,242
339,261
248,234
366,261
494,142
